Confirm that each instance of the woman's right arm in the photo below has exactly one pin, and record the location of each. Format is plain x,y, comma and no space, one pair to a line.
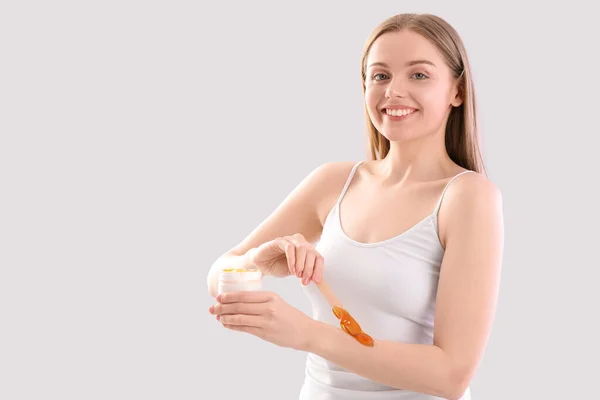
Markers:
302,212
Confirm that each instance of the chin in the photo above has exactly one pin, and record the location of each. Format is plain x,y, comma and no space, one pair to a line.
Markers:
400,136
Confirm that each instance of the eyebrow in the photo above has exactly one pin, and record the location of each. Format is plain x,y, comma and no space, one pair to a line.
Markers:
408,64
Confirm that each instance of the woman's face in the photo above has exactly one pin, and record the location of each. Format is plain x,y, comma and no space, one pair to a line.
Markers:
409,88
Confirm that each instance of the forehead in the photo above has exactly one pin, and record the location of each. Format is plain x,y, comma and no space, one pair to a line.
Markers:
396,48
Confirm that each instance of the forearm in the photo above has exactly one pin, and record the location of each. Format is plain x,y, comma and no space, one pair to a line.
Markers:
227,260
414,367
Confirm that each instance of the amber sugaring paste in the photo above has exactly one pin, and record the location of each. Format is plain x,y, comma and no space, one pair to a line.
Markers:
351,327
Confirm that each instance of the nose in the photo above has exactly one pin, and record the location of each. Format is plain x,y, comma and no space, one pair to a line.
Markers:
395,88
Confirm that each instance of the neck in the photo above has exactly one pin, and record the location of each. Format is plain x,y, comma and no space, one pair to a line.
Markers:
422,159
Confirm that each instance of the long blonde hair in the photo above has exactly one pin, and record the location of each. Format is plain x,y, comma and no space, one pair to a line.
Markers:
461,136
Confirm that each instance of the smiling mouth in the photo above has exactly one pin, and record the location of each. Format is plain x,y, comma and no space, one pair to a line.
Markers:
399,112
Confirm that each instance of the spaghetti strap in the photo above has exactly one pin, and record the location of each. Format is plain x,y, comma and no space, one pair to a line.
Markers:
348,180
439,203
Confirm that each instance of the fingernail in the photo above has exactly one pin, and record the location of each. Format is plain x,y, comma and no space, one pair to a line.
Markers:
218,298
211,309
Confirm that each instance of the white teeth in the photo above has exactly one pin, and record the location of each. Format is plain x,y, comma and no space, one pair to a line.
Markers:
398,113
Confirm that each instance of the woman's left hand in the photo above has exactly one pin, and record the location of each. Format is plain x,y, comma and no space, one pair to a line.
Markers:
266,315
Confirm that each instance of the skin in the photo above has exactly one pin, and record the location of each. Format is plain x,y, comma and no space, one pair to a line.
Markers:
413,174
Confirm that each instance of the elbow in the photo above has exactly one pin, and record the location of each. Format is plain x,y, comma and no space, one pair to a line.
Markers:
457,383
212,278
212,292
211,284
455,394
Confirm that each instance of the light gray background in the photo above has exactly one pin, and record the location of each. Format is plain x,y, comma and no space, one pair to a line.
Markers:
140,140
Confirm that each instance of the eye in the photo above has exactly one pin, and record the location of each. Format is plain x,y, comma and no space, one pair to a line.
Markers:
420,76
380,76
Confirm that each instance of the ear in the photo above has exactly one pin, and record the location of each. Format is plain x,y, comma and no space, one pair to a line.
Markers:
457,100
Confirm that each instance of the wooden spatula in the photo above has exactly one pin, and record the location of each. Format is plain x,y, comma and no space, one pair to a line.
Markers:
328,294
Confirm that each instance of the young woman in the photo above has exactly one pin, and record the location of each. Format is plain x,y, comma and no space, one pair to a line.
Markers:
411,240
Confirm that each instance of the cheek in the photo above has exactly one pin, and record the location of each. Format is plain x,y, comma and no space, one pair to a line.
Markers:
438,96
372,101
434,103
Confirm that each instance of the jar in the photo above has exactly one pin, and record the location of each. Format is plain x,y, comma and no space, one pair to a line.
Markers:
239,279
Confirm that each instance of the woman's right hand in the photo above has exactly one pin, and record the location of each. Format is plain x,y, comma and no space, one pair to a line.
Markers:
289,255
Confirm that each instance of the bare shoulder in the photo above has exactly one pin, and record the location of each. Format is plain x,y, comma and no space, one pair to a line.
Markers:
333,171
328,180
323,179
471,200
473,188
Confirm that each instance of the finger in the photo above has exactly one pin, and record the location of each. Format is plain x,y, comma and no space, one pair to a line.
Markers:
301,251
256,296
290,253
242,319
319,267
299,237
309,266
239,308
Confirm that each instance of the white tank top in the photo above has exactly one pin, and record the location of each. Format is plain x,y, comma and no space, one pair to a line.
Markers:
389,287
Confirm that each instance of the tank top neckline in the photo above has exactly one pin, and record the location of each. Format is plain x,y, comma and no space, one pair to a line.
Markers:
431,217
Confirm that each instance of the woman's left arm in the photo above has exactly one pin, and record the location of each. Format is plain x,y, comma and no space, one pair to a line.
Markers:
465,305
